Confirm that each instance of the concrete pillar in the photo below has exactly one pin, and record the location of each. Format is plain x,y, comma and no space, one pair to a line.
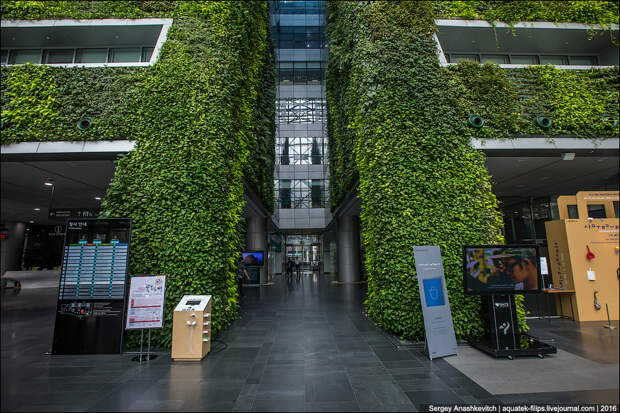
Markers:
12,247
349,249
256,239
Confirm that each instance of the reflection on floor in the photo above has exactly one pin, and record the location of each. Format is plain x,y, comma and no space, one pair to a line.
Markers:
303,345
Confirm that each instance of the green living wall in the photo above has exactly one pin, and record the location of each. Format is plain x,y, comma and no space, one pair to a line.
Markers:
203,121
397,123
420,181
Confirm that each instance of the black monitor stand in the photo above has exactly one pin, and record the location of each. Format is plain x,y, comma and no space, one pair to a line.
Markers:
503,338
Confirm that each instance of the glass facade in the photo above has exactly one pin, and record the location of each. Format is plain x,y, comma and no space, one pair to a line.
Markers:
302,172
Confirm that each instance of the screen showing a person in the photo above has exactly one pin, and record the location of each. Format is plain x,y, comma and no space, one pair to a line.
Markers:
501,269
253,258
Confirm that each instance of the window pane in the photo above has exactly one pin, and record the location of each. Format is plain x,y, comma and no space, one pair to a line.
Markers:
125,55
524,60
91,55
596,211
5,54
494,58
54,56
19,57
315,75
553,60
147,52
454,58
286,75
583,60
573,212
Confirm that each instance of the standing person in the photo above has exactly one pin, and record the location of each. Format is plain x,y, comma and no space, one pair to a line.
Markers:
289,268
298,267
242,272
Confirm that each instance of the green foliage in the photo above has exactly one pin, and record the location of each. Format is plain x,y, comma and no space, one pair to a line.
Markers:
521,313
196,132
576,11
508,100
575,100
31,98
203,122
420,181
101,94
485,90
86,9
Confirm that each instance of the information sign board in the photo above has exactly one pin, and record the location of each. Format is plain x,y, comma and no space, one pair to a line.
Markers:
146,302
64,213
440,337
91,292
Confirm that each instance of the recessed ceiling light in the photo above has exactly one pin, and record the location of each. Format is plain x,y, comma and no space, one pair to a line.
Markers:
31,221
98,198
37,209
48,184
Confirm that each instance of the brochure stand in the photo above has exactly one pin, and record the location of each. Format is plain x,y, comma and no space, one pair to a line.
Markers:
503,338
146,308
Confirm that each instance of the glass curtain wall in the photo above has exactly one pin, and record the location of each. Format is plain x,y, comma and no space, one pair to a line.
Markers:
302,172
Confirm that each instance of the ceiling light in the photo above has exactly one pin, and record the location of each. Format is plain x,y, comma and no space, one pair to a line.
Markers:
98,198
568,156
37,209
31,221
48,184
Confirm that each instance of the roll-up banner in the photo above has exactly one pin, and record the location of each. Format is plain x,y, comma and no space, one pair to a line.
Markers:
438,326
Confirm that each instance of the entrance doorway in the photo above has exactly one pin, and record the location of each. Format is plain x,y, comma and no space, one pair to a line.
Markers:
305,248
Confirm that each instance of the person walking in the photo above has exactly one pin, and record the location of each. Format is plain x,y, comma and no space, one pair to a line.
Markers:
298,268
242,272
289,268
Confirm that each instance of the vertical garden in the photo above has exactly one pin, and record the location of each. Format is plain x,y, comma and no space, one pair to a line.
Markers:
397,123
202,118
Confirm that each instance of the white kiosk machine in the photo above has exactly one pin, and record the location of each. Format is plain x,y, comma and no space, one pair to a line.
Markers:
191,328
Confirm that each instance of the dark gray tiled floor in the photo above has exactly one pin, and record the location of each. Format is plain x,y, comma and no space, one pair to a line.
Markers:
304,346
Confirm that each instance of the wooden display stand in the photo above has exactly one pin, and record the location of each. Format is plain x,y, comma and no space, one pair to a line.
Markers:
570,243
191,328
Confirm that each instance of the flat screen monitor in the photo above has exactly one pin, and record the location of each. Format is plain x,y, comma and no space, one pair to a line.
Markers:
253,258
501,269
